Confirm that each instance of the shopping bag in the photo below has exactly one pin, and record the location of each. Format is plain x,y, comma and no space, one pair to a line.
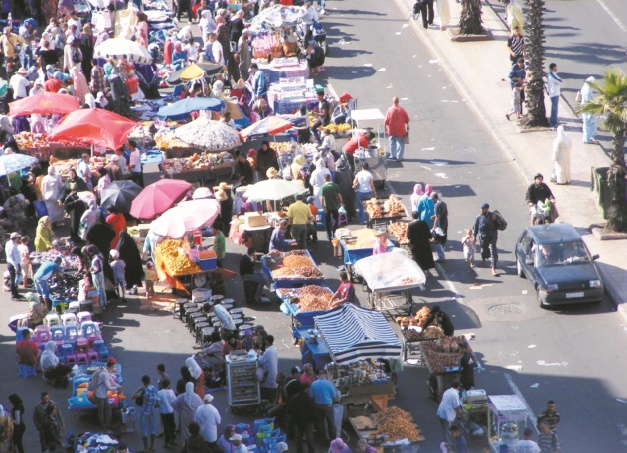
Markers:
40,208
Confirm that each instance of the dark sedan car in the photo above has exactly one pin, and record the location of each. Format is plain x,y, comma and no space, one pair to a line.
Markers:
557,261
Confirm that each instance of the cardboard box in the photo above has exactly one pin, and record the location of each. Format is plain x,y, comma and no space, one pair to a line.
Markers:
254,219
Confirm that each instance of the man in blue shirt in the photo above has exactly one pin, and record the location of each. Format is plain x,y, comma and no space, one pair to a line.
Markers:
46,271
277,240
258,81
323,392
459,441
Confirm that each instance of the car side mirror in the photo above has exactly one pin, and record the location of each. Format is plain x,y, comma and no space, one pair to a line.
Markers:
529,262
595,257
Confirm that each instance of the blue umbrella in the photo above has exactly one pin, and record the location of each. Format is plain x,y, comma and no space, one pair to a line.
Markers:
180,109
13,162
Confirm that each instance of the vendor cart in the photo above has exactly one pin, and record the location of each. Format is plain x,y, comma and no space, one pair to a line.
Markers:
384,217
442,363
365,424
243,386
374,156
300,320
289,281
357,245
389,278
507,420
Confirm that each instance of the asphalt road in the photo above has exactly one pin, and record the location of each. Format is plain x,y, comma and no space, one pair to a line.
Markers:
563,352
584,38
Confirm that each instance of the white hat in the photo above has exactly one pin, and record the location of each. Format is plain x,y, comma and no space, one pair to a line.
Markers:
115,158
15,235
235,436
281,447
208,398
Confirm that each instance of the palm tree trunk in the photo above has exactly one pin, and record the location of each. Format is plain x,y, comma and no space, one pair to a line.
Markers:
534,85
617,211
470,18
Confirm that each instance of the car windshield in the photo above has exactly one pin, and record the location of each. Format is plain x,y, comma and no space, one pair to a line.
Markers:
562,253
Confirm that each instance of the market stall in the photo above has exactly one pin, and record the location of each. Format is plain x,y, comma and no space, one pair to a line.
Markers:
291,269
302,304
243,386
508,418
356,245
441,356
381,211
415,331
374,156
388,429
390,277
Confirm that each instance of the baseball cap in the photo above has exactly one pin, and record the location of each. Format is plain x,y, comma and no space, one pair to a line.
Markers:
15,235
464,344
296,369
485,206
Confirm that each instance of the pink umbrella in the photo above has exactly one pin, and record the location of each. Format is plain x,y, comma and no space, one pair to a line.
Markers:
186,218
158,197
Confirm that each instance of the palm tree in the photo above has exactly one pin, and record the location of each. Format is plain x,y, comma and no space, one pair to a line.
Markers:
534,84
611,103
470,19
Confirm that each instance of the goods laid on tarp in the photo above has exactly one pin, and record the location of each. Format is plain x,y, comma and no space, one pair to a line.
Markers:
175,257
198,161
28,140
67,261
395,424
296,265
359,239
392,271
399,230
442,355
307,298
209,135
63,167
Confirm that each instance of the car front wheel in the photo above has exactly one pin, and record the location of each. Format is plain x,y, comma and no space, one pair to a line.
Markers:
519,269
539,296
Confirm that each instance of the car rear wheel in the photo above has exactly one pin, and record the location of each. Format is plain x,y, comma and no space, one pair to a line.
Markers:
519,269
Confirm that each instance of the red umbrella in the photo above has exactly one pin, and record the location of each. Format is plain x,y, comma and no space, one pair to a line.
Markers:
270,125
158,197
44,103
95,126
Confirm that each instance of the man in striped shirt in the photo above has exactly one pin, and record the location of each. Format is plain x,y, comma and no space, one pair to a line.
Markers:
516,44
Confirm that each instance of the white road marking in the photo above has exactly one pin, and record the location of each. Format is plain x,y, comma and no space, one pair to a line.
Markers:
544,363
612,15
517,392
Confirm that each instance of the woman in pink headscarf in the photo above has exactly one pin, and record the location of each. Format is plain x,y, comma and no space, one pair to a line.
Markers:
427,192
141,29
414,198
339,446
80,84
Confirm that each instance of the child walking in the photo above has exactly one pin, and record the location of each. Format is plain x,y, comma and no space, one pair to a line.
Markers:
150,276
468,244
516,102
118,267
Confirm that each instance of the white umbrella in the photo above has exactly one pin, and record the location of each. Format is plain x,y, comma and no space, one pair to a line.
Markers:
273,189
209,135
117,48
186,218
10,163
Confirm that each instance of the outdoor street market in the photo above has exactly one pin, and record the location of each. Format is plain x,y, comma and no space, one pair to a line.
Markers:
202,178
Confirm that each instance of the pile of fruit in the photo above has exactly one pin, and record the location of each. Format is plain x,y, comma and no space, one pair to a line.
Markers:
395,424
344,127
419,319
373,208
399,230
393,207
197,162
169,141
430,333
29,140
441,353
63,167
175,258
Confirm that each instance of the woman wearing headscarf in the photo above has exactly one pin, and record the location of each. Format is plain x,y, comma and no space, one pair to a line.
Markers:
88,219
90,102
344,178
19,427
419,234
51,188
141,29
266,158
561,156
186,405
6,431
317,179
207,24
117,222
224,36
299,162
72,55
414,198
6,134
86,43
133,272
100,235
97,273
179,57
73,204
43,235
101,101
198,374
339,446
181,383
54,370
224,442
80,84
589,121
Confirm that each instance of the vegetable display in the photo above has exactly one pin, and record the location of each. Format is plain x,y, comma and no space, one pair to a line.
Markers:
30,140
63,167
197,162
175,259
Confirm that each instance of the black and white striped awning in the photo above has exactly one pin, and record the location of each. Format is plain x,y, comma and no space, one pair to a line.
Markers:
353,333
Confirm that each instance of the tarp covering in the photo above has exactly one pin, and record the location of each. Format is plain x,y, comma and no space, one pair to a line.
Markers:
392,271
353,333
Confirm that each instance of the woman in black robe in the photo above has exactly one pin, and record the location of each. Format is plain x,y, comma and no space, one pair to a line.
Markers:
418,234
344,179
76,207
101,234
129,253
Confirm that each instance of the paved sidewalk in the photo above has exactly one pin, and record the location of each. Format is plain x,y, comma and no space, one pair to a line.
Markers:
479,71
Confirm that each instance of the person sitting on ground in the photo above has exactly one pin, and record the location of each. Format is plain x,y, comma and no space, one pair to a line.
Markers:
27,350
53,370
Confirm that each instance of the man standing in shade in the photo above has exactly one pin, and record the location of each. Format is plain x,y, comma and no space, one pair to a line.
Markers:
485,229
397,128
331,200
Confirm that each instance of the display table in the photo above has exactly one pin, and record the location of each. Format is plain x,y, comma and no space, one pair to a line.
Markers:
367,427
316,353
356,245
289,281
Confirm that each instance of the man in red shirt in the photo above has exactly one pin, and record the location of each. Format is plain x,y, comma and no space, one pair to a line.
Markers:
53,84
27,350
397,128
358,140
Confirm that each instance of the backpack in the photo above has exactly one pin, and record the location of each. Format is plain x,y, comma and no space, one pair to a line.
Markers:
94,380
417,7
76,56
501,223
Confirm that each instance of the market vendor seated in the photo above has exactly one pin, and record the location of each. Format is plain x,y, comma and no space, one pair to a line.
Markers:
43,275
53,370
277,240
243,169
345,292
248,274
